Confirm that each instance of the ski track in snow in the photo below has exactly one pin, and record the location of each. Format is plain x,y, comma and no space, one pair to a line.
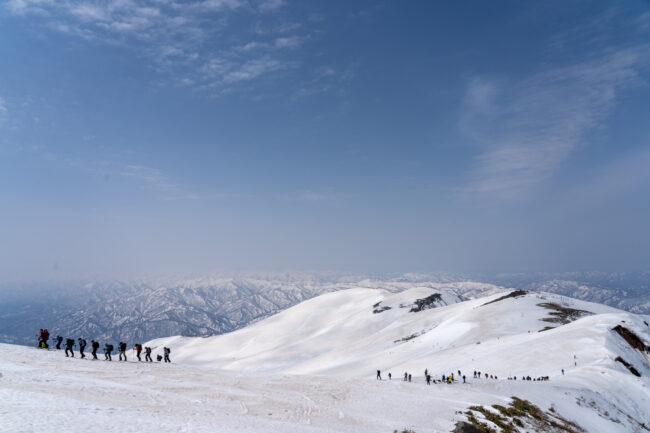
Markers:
311,369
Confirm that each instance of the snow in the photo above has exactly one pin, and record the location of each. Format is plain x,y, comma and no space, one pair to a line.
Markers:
311,369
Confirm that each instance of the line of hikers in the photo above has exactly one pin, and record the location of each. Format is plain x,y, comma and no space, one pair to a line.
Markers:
444,379
70,343
538,379
477,375
451,378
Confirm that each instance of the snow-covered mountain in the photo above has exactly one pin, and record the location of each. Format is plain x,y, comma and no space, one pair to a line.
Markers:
142,310
311,368
598,355
139,310
628,291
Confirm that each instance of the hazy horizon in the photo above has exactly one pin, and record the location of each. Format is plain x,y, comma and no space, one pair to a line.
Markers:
149,137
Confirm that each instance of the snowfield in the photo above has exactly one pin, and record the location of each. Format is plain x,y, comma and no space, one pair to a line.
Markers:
311,368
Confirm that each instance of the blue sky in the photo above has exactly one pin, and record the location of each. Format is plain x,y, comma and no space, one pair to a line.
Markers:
153,136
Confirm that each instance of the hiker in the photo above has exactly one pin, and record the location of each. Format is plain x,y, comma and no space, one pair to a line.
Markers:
94,345
46,336
443,377
167,351
426,371
122,348
390,376
82,346
147,354
59,339
409,377
378,373
69,343
562,372
406,376
464,379
108,348
428,376
459,373
486,375
40,338
138,350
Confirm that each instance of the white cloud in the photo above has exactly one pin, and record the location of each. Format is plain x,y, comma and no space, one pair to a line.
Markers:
253,69
3,112
270,5
182,38
528,128
289,42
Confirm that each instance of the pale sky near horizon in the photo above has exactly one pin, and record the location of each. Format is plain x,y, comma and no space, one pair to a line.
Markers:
173,136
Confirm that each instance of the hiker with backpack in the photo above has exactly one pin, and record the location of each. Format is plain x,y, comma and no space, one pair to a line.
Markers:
46,336
94,345
147,354
108,348
138,350
122,348
167,351
69,344
82,346
59,340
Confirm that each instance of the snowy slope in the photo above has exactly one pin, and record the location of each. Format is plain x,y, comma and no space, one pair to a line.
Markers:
343,334
311,369
340,333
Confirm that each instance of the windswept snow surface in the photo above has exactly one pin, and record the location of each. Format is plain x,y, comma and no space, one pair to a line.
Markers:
311,369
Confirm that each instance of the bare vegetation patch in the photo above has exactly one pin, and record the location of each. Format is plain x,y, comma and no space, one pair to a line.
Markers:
632,339
518,417
377,309
426,303
629,366
515,294
561,314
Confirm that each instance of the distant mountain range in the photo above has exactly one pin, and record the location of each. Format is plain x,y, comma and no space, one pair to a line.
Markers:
141,310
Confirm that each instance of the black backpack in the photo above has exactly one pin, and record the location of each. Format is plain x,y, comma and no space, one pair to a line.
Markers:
69,342
109,347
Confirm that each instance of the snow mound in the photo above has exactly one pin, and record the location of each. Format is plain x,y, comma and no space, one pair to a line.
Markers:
312,368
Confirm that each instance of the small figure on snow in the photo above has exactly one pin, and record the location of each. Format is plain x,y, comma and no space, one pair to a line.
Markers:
95,346
82,346
108,348
69,343
147,354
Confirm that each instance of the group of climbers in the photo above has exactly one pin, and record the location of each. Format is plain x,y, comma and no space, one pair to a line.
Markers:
452,377
70,343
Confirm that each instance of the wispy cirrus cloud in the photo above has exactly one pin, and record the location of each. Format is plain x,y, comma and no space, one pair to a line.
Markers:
527,128
3,112
183,39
